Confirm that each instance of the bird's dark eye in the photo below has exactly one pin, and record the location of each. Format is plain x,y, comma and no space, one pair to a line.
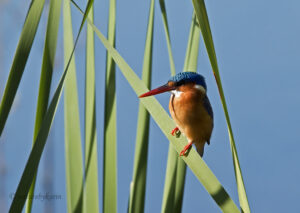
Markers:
179,83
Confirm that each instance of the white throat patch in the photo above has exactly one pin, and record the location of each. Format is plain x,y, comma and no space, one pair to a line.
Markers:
201,88
176,93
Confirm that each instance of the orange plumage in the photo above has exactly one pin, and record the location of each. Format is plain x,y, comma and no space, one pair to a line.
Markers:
190,115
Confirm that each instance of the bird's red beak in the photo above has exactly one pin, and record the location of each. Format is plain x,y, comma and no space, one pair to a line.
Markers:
161,89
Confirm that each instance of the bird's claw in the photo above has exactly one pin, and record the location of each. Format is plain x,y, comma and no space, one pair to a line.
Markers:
182,153
186,149
175,132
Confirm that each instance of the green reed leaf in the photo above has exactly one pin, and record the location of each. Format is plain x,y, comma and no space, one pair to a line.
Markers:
190,64
199,6
110,123
38,147
171,172
73,150
21,55
91,194
138,183
46,76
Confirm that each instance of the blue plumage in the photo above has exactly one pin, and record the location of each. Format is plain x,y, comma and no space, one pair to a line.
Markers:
208,107
187,77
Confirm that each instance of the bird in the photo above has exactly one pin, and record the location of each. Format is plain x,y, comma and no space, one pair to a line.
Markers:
190,108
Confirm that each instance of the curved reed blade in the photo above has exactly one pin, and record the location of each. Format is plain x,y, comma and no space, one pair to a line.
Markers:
172,162
46,76
138,183
73,151
110,123
192,50
179,185
190,64
201,13
91,194
168,204
38,147
21,55
167,34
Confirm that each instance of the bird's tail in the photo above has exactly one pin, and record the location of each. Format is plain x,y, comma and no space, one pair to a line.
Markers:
200,148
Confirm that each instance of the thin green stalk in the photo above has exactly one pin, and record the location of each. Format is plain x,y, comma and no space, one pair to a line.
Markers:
73,151
38,147
110,123
192,51
199,6
167,34
179,185
91,194
170,181
190,64
46,77
21,55
175,166
138,183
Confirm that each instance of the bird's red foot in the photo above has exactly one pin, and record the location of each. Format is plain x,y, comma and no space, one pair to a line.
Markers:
186,148
175,131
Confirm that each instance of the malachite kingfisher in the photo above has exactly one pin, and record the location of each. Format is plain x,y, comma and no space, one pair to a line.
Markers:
190,108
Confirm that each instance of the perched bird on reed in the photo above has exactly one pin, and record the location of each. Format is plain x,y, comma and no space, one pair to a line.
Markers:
190,108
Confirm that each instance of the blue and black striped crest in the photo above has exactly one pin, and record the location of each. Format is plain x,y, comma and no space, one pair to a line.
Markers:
189,77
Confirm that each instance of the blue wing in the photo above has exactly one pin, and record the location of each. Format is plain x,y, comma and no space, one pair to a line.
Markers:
208,107
209,110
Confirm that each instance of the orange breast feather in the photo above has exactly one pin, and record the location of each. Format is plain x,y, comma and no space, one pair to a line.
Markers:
190,115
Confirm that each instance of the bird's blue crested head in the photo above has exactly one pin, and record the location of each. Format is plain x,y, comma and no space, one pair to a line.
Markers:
188,77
